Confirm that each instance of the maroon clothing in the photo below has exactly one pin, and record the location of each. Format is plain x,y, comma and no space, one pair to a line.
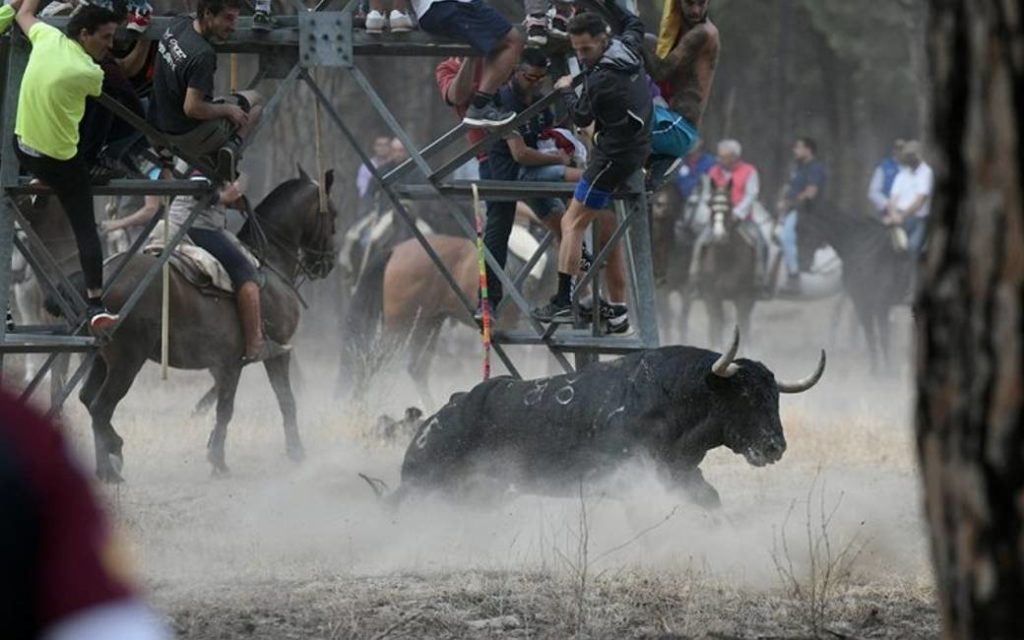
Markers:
55,545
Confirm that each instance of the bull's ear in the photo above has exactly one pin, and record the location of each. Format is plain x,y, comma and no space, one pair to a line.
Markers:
302,172
328,180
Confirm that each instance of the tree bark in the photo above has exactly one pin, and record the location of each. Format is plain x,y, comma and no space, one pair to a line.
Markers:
970,410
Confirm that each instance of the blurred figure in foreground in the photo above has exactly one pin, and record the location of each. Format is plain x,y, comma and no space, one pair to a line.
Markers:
63,574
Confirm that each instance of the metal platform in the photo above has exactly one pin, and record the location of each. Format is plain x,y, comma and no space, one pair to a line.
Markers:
310,39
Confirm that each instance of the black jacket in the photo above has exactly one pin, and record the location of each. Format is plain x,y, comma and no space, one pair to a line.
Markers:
616,96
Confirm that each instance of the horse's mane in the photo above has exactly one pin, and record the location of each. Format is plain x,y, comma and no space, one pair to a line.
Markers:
277,198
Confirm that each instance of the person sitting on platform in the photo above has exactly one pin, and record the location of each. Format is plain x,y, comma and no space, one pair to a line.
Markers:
398,21
458,80
491,36
209,231
183,106
616,100
62,72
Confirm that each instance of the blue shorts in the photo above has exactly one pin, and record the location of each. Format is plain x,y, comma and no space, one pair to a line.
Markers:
473,22
544,207
672,135
592,196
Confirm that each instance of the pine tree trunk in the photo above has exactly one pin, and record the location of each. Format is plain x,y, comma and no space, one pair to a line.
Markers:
970,423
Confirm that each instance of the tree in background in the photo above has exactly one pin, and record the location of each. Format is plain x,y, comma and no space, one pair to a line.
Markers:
970,411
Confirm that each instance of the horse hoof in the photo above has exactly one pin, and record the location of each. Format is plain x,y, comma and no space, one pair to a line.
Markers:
296,453
109,476
220,471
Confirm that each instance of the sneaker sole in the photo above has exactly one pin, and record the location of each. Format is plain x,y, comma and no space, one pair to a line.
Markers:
137,28
537,40
401,29
473,122
375,30
103,321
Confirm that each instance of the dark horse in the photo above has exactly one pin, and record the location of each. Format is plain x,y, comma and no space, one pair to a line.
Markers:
876,275
293,238
726,267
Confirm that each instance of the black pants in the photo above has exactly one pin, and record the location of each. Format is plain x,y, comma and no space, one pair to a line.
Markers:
501,217
69,180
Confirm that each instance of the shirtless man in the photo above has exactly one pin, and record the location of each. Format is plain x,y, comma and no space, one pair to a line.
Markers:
684,59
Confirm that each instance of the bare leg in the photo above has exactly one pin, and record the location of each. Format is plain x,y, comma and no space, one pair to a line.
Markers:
615,270
574,226
501,62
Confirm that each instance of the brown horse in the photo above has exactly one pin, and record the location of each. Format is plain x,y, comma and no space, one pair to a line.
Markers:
403,297
293,237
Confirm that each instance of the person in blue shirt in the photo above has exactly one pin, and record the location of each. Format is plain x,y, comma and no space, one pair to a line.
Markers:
696,165
803,194
883,178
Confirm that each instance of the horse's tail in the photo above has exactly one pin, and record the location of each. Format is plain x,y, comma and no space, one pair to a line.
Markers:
366,308
50,303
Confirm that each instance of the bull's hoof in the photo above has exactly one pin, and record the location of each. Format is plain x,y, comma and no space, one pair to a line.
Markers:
220,471
296,453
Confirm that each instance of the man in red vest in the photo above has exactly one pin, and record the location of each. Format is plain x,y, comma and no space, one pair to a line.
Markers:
744,185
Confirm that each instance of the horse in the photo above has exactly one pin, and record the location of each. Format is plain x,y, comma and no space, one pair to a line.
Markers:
726,267
293,237
402,296
876,275
673,238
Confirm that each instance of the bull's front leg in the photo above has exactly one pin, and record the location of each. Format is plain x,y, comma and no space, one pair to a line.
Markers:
692,482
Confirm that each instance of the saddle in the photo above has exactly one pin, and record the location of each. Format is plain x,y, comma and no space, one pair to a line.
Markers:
195,264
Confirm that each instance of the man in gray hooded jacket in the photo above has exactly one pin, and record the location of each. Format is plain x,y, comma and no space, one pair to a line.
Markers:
616,100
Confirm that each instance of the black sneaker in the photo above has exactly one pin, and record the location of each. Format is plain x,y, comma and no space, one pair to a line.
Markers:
261,21
537,29
226,157
488,116
559,26
586,261
615,316
553,312
103,170
100,319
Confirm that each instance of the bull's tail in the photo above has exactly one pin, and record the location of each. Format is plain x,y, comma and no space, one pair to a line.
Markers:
379,487
50,303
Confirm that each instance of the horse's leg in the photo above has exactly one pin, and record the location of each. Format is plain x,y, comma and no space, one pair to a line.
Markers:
118,373
279,373
206,402
884,331
716,319
744,312
867,322
227,384
422,346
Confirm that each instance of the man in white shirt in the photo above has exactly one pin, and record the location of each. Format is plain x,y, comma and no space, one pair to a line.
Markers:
911,196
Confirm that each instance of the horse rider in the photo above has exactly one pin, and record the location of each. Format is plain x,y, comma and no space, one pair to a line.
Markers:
616,100
63,70
910,200
801,197
743,183
209,231
183,106
882,179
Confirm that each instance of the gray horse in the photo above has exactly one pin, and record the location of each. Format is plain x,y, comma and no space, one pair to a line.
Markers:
293,238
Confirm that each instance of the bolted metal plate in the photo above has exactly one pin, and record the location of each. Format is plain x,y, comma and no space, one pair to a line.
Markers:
325,39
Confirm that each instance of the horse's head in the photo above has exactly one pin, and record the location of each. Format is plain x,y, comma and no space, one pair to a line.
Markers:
296,215
721,213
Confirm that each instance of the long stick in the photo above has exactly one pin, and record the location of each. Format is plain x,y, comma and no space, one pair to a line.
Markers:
321,176
233,81
165,312
485,305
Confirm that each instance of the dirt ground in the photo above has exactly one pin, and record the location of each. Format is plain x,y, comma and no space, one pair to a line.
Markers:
827,543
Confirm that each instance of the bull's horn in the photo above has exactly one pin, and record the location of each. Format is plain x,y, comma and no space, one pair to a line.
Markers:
724,366
806,383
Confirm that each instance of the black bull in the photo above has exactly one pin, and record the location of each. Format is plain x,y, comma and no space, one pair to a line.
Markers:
671,405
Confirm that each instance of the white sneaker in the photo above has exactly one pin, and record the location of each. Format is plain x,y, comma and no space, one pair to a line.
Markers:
375,22
400,22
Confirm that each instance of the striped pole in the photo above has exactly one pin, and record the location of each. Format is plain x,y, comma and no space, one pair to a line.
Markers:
485,307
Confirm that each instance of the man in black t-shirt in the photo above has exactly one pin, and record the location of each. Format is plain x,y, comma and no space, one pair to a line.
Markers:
183,105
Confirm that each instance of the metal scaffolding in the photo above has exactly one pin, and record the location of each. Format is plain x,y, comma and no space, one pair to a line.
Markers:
322,38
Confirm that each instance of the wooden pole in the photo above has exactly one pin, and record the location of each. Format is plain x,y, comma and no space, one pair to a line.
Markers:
321,176
165,312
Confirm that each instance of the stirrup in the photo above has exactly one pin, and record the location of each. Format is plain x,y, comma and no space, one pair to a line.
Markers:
269,351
